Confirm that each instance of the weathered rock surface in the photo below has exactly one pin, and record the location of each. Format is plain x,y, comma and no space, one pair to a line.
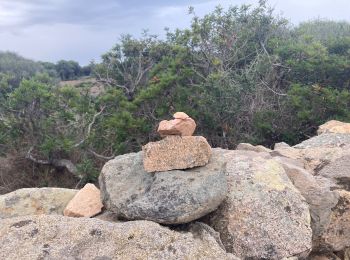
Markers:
58,237
338,171
170,197
281,145
34,201
337,235
86,203
347,254
176,152
287,151
250,147
317,193
264,216
108,216
325,140
182,125
324,256
334,126
314,158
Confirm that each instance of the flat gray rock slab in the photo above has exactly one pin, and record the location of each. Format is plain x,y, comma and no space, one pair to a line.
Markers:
59,237
170,197
35,201
325,140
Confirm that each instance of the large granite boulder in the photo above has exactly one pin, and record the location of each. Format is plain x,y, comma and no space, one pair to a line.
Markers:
314,155
316,190
325,140
176,152
59,237
170,197
34,201
338,172
264,216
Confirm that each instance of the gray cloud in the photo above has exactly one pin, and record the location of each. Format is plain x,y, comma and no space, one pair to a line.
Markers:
84,29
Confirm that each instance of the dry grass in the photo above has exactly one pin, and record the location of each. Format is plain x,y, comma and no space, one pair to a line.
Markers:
95,90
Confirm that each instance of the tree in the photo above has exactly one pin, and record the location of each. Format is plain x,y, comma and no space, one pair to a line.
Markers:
18,68
68,70
127,66
48,124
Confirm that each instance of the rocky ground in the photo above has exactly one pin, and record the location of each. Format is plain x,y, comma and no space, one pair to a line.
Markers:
248,203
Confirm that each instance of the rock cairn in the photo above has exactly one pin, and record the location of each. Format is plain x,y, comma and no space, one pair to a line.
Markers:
132,190
292,202
179,149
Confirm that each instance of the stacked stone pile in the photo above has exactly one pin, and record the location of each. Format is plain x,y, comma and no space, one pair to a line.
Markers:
248,203
179,149
172,181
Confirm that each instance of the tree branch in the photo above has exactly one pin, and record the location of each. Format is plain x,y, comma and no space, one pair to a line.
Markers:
89,128
57,163
101,156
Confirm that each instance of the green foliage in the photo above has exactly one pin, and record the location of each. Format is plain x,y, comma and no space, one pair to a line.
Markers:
68,70
17,68
244,75
88,169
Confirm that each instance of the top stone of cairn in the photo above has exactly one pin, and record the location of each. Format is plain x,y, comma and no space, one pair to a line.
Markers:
182,125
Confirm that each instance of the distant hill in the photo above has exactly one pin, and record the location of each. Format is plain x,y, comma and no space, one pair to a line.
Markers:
17,68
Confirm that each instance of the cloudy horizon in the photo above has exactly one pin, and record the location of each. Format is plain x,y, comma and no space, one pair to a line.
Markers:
51,30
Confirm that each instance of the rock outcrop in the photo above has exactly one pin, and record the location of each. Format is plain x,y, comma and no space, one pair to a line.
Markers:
86,203
264,216
334,126
169,197
337,234
316,191
176,152
338,172
256,203
325,185
35,201
249,147
58,237
325,140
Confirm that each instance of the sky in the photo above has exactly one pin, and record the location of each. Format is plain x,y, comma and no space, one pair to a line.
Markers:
82,30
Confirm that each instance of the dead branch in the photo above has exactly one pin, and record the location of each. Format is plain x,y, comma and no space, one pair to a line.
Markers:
57,163
101,156
89,127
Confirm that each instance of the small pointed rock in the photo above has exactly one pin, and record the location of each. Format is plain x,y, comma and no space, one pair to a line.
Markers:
86,203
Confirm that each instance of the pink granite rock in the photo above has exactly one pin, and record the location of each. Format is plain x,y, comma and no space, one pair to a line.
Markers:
176,152
86,203
182,125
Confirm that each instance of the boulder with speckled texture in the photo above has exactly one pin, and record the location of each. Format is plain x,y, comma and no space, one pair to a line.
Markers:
182,125
58,237
169,197
264,216
334,126
176,153
35,201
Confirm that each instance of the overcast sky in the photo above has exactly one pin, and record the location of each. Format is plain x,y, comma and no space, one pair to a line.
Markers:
82,30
